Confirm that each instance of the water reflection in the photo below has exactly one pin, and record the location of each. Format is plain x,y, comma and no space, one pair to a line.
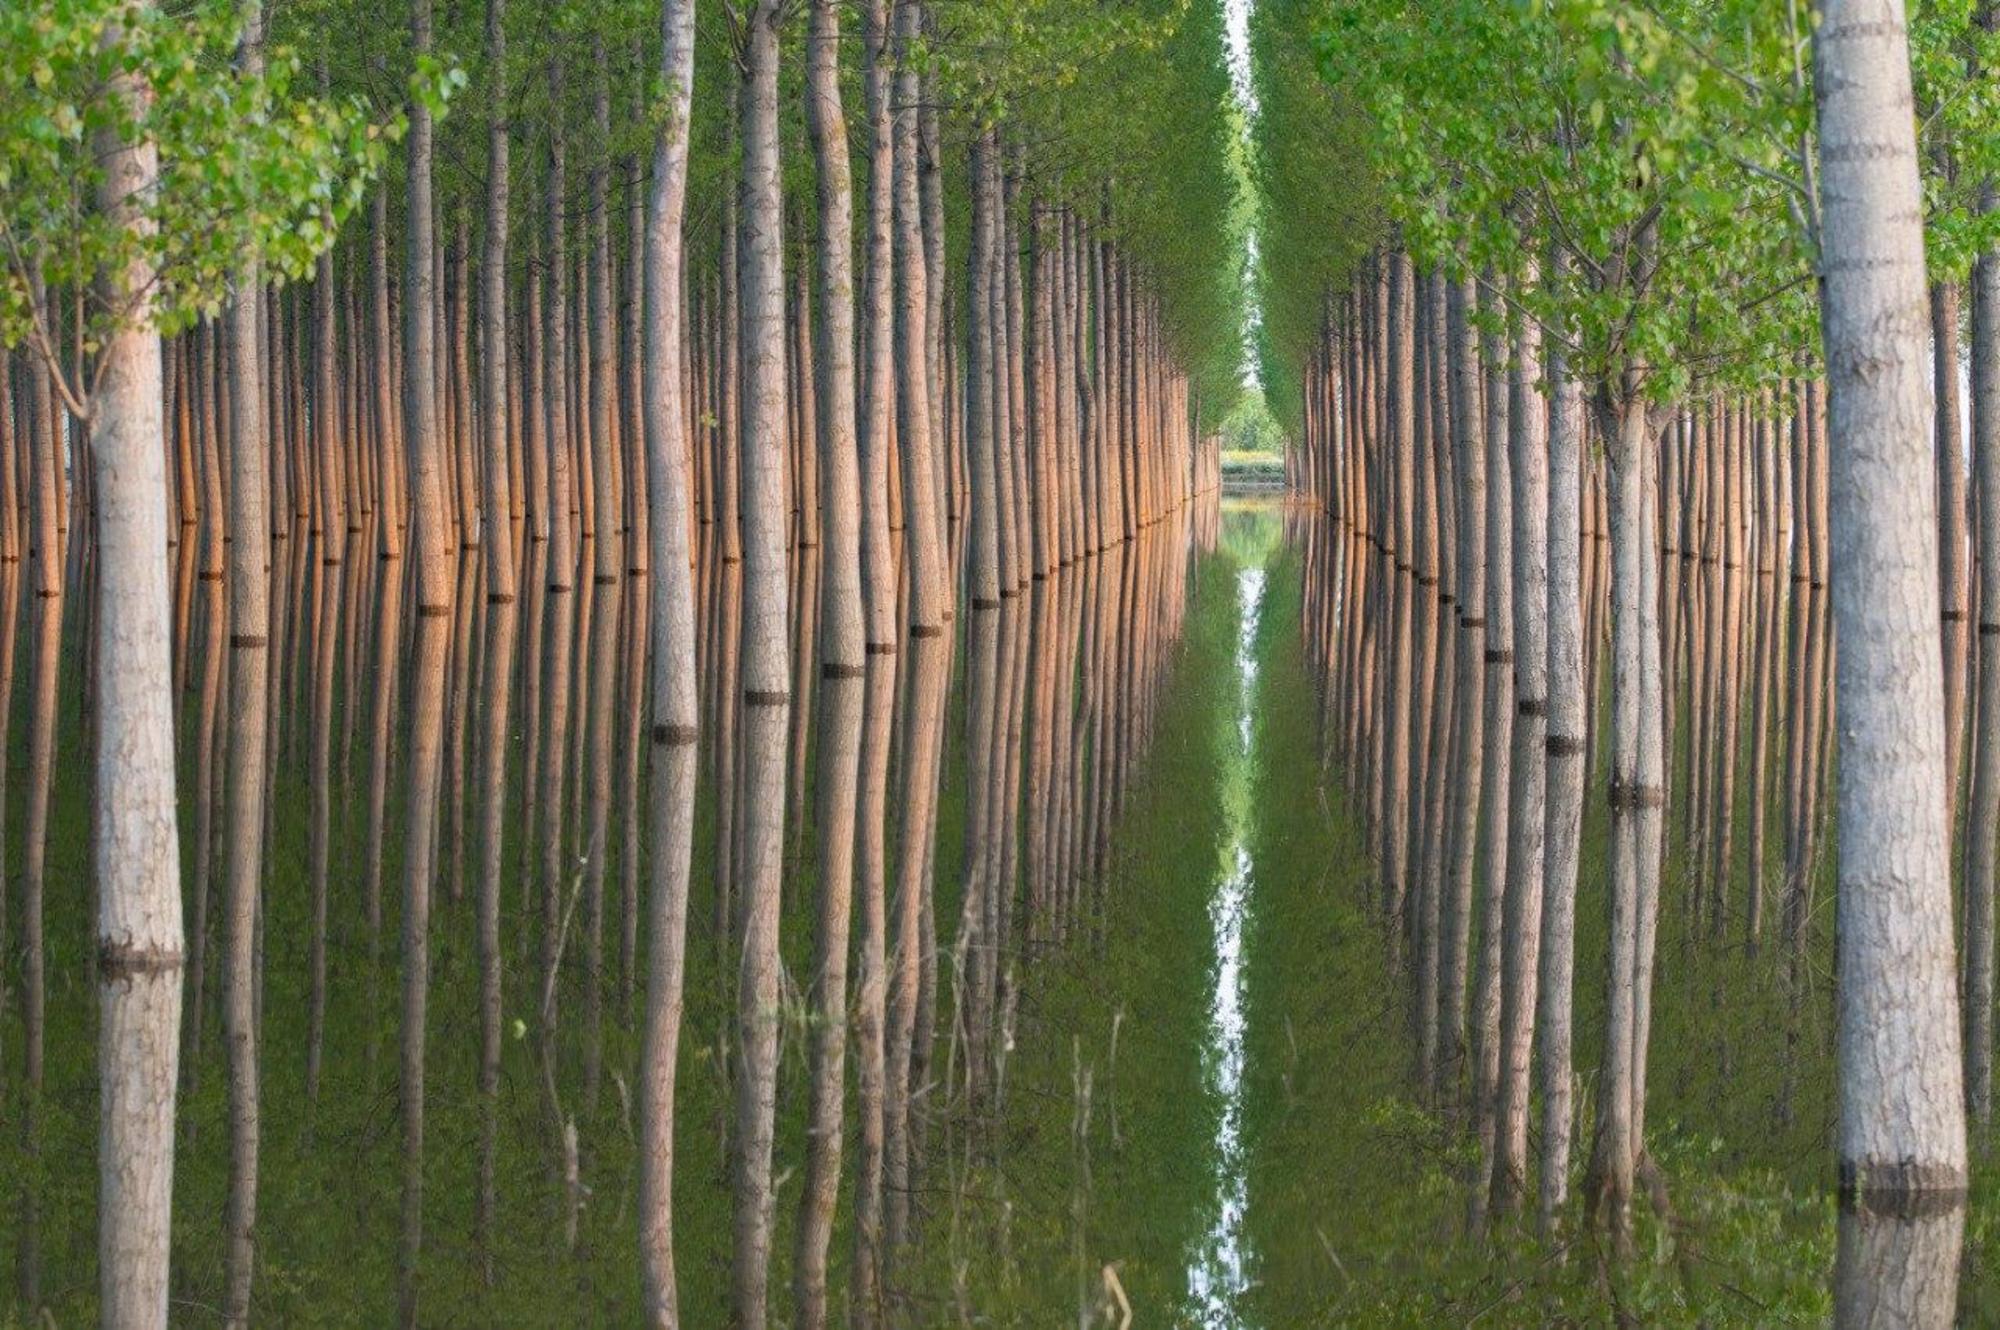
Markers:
1898,1264
1220,1272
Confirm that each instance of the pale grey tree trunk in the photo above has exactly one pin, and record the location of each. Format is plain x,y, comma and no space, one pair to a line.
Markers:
497,351
136,849
929,628
1521,959
1638,801
843,661
878,574
1902,1139
676,705
1564,746
765,667
502,623
1499,717
1469,443
420,405
249,558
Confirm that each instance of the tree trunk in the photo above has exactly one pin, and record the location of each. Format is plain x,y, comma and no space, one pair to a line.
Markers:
1902,1139
676,709
765,670
136,858
1521,962
1564,747
249,660
878,573
1983,822
843,661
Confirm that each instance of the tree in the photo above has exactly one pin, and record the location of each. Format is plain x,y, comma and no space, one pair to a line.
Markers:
843,658
675,706
1902,1125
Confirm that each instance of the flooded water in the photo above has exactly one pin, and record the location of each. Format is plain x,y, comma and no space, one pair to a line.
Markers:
1199,1106
1220,1275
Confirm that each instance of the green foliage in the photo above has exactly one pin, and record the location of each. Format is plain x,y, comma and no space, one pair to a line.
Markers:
1638,174
1251,428
248,166
1644,147
1320,203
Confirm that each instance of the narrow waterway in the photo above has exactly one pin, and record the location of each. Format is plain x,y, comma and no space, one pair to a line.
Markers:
1219,1275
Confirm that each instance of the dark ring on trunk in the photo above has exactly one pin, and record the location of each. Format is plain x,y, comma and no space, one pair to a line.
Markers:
926,630
881,648
1954,616
606,579
766,697
1989,629
831,670
1471,621
1637,796
433,611
1534,706
1902,1189
982,603
1562,745
499,598
122,962
248,640
215,575
1498,657
676,735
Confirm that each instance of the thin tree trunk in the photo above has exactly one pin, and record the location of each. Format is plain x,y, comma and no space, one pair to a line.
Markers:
1521,961
765,671
1564,747
1983,822
878,574
249,660
843,662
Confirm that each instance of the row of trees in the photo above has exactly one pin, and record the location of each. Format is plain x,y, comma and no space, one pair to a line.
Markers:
714,397
1638,379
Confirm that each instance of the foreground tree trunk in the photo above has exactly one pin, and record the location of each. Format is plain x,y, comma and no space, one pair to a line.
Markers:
1565,754
136,850
249,658
765,670
676,705
1521,963
929,628
843,661
877,390
1902,1118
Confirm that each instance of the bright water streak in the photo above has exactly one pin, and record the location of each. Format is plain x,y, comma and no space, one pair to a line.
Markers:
1219,1274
